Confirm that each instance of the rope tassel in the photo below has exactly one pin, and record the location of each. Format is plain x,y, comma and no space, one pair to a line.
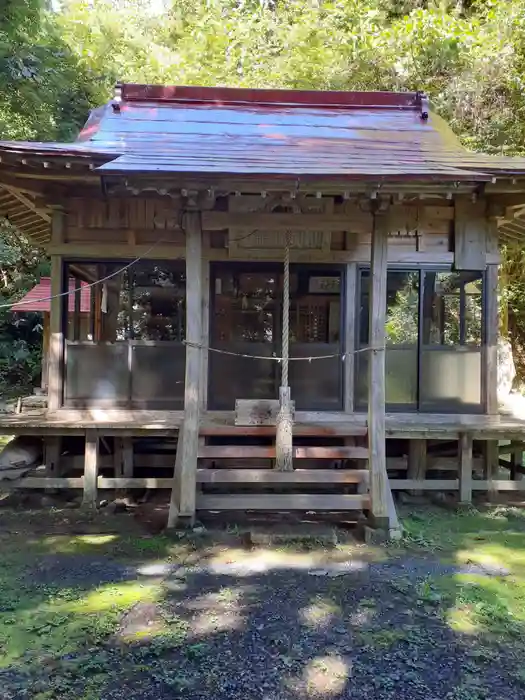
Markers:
284,432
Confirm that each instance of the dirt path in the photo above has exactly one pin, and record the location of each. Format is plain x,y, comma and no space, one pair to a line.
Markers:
227,624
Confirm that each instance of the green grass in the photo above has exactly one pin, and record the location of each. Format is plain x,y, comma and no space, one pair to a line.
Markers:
59,635
474,604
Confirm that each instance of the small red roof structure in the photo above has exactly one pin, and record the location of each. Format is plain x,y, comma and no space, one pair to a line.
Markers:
38,298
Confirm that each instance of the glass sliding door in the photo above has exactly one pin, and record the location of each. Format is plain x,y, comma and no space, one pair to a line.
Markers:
246,318
401,329
451,341
434,332
124,345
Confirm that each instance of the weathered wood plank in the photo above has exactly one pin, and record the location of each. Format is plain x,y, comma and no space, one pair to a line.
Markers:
465,469
272,476
470,234
360,254
424,484
376,378
298,429
89,499
127,457
279,501
349,335
516,463
268,452
417,460
183,494
491,465
118,458
496,485
52,453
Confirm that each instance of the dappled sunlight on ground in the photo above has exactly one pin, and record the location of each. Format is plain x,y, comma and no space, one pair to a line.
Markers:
326,676
115,614
319,614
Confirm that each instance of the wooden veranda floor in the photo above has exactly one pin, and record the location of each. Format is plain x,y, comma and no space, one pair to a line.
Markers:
166,423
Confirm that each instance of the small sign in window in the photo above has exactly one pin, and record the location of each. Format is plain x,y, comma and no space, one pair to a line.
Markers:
324,285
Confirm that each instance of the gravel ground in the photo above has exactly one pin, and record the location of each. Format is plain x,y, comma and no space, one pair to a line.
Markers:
252,631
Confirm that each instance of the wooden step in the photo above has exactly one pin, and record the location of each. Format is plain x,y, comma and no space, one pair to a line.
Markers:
268,452
272,476
283,502
301,430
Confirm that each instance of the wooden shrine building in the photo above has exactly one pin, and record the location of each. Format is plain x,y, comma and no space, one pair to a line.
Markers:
292,299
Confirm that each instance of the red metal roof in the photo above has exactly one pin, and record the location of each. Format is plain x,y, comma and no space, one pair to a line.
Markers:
37,299
214,131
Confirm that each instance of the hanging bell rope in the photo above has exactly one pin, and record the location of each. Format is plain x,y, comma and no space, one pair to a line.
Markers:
283,439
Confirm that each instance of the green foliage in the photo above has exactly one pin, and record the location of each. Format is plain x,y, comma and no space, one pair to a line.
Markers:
469,55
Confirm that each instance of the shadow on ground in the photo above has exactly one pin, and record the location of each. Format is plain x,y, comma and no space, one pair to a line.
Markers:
102,616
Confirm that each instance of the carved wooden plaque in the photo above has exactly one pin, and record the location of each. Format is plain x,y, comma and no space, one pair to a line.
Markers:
242,238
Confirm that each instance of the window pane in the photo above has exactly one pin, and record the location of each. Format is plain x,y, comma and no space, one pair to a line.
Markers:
158,293
452,308
402,313
401,338
100,312
450,380
473,310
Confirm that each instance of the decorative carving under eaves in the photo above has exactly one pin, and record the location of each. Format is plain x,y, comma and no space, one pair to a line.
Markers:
266,239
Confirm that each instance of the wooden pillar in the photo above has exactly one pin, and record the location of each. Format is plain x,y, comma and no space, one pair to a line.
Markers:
465,468
52,452
376,378
45,351
349,336
91,463
491,466
417,461
185,479
56,322
490,369
118,462
516,462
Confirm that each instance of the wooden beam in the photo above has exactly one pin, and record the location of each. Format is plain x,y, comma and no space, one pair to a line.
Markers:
349,335
169,252
516,463
52,452
417,459
55,362
26,201
121,250
269,452
183,494
491,466
376,378
496,485
127,457
220,220
470,234
490,358
89,499
465,468
249,477
424,484
280,501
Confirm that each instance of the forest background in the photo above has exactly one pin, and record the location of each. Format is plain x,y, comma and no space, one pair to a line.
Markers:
59,58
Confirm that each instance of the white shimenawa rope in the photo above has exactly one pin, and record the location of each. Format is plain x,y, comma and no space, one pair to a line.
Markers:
286,315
